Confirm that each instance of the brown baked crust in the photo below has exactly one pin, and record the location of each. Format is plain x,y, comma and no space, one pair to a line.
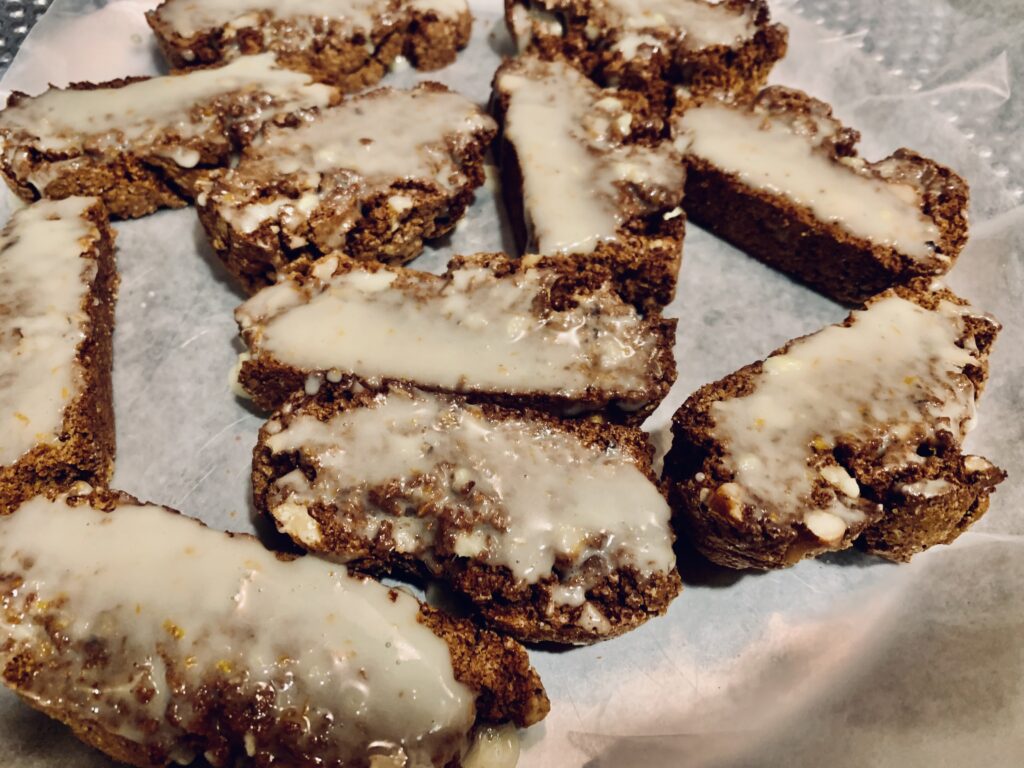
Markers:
900,525
329,50
130,183
717,68
496,669
645,256
380,233
271,383
86,448
625,597
822,254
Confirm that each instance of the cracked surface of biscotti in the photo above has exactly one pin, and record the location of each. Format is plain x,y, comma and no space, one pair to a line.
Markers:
492,328
143,143
587,178
339,180
58,286
779,177
158,640
349,44
850,435
652,46
556,530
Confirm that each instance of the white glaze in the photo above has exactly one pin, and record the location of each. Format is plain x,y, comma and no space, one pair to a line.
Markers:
156,588
702,22
504,492
568,137
44,281
896,373
470,333
768,154
493,747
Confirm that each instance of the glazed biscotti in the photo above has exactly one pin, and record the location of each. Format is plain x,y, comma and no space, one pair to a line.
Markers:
158,640
349,44
555,530
586,176
142,144
58,285
373,177
651,45
779,177
851,434
491,328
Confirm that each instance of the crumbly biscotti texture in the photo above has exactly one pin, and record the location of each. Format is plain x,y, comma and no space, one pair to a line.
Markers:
335,181
630,46
82,446
478,506
791,236
623,209
263,700
882,466
494,329
141,143
348,45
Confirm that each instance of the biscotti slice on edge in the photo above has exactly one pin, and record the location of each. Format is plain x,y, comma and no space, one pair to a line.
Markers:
374,177
556,530
779,177
158,640
586,178
850,434
348,44
649,45
490,328
143,143
58,285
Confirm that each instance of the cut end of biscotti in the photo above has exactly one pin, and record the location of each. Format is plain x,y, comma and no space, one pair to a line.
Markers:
854,432
556,530
178,641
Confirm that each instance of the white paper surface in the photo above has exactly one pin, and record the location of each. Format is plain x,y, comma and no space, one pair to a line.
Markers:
843,661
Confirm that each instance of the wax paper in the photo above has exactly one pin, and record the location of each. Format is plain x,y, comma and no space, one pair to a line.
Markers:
842,661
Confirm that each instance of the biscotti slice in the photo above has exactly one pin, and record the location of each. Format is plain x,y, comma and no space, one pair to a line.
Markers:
349,43
649,45
779,177
373,177
556,530
851,434
58,285
143,143
490,328
586,178
158,640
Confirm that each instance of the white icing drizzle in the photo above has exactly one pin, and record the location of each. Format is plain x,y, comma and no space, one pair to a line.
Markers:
493,747
702,23
157,591
343,156
160,114
895,373
770,153
472,332
580,179
509,492
44,281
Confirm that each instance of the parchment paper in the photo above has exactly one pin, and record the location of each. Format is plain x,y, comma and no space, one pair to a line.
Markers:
843,661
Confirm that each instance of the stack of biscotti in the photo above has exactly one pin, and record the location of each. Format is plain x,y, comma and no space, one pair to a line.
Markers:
349,44
652,45
587,177
778,176
491,328
58,285
144,143
556,530
158,640
336,180
852,434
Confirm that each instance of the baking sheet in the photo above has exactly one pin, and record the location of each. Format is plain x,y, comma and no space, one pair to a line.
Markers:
845,661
